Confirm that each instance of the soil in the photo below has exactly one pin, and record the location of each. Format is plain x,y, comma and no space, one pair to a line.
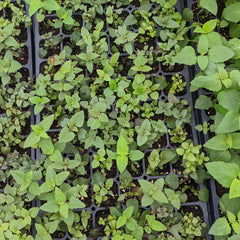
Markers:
46,26
50,51
112,200
169,69
78,19
196,210
220,190
159,171
103,214
201,16
23,55
189,191
151,42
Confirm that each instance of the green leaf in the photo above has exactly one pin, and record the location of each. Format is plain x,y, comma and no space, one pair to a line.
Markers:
122,162
229,123
202,62
31,140
42,233
18,176
78,119
203,194
59,195
34,189
210,5
220,227
34,6
52,226
63,209
219,142
234,189
128,48
75,203
202,46
51,5
229,99
65,135
50,206
61,177
187,14
232,12
11,42
121,222
186,56
220,54
203,102
210,82
223,172
127,213
155,225
47,122
122,146
46,145
135,155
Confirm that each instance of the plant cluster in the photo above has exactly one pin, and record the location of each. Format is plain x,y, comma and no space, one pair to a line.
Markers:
217,42
110,106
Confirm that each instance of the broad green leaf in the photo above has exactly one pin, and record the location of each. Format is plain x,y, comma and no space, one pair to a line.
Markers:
155,225
210,82
121,222
219,142
52,226
61,177
223,172
122,146
42,233
78,119
51,5
127,213
229,99
235,237
65,135
202,62
220,227
75,203
136,155
34,6
145,185
50,206
59,196
11,42
186,56
219,54
128,48
210,5
146,200
34,189
232,12
46,145
235,137
203,194
141,140
47,122
18,176
235,189
202,46
63,209
122,162
229,123
31,140
203,102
